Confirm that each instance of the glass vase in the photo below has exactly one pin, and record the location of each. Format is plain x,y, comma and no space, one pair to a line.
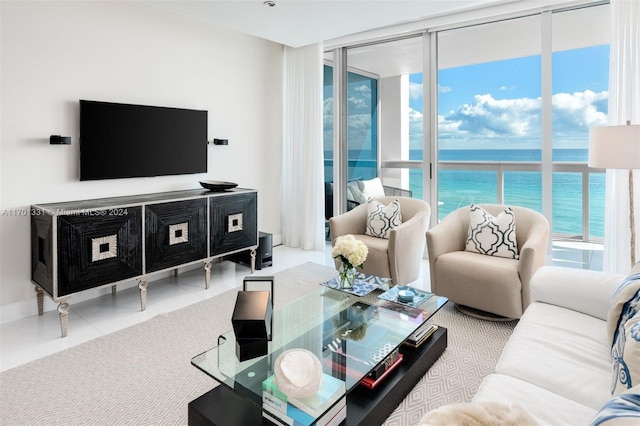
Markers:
347,276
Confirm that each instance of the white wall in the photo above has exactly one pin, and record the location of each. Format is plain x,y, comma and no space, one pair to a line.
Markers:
57,52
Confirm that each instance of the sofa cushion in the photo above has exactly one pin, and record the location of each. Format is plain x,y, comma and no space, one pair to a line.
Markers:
494,236
545,406
621,410
562,351
354,193
382,219
626,357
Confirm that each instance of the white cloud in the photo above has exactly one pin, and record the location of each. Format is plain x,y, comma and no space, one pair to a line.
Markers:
518,121
444,89
415,90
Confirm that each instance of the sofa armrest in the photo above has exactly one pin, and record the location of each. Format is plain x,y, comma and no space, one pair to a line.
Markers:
533,254
404,242
580,290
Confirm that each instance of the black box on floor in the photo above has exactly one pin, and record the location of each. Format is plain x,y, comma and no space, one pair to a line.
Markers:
264,252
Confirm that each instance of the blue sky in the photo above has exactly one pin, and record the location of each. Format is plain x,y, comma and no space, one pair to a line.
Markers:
497,104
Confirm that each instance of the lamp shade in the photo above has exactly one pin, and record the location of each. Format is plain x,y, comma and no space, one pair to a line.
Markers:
615,147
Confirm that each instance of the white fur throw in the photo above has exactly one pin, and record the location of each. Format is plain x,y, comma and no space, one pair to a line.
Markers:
478,414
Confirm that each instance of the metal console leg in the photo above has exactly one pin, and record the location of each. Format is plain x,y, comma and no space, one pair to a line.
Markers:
63,309
253,260
207,274
40,299
142,285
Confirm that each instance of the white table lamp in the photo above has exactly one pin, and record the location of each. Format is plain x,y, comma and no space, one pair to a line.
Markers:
618,147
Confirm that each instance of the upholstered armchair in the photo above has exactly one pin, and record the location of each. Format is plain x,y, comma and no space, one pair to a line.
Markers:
400,256
497,285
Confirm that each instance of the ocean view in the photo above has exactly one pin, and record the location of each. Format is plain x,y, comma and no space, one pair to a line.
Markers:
462,187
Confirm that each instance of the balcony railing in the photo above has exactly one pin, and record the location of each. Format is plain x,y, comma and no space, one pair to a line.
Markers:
568,191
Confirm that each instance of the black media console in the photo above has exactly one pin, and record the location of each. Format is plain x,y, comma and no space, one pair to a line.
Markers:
80,245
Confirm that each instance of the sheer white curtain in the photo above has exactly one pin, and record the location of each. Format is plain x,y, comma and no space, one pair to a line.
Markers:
302,157
624,104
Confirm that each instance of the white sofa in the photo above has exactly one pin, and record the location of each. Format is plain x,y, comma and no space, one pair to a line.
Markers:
557,364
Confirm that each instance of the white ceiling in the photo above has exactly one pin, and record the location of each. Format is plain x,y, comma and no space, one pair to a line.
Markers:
301,22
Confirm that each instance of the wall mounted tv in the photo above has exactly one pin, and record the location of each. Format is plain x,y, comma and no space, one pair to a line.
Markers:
124,141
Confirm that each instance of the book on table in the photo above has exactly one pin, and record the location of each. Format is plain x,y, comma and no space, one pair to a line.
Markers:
331,396
334,417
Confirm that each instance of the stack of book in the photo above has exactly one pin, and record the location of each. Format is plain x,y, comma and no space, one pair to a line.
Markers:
328,407
383,369
421,335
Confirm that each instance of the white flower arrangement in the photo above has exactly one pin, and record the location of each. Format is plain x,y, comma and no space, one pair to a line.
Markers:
351,251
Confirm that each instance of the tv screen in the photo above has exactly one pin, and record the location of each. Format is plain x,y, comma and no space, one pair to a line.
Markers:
123,141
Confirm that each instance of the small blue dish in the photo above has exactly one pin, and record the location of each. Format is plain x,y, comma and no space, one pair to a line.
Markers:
405,295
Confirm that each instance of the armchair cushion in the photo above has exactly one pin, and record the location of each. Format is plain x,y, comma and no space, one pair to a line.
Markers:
372,188
382,219
494,236
354,193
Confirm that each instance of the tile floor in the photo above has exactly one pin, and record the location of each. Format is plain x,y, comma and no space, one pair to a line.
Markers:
35,336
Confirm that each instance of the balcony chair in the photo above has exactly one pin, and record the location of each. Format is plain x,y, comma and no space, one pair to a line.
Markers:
482,285
358,191
400,256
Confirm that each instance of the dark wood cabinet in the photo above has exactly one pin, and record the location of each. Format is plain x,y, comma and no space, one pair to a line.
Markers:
80,245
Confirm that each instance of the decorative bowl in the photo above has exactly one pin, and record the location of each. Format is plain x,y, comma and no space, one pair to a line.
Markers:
217,185
405,294
298,373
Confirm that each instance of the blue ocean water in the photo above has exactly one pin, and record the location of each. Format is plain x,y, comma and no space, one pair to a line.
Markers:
462,187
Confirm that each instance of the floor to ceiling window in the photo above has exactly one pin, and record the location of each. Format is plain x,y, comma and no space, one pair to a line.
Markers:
490,116
362,128
580,81
489,120
500,87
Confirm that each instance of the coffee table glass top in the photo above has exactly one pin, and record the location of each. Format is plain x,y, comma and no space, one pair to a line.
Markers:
349,334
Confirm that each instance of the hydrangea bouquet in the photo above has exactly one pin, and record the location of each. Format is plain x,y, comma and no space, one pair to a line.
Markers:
351,252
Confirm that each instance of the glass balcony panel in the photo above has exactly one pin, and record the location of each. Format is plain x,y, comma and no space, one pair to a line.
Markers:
457,188
596,205
567,205
523,189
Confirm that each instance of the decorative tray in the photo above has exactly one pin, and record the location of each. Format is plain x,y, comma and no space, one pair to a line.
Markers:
363,284
217,185
419,296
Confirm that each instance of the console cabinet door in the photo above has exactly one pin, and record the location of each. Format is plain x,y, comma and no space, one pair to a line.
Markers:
175,233
234,222
98,247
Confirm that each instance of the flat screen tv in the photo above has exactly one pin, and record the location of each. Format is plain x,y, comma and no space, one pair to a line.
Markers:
124,141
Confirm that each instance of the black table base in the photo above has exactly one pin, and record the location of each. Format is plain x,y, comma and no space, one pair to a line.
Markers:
221,406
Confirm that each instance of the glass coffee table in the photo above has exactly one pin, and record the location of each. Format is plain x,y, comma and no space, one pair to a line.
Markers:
350,335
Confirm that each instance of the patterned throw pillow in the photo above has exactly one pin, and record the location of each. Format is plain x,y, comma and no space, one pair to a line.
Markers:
626,358
623,409
494,236
382,219
624,307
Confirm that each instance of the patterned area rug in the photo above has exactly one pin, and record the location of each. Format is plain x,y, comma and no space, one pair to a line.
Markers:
142,375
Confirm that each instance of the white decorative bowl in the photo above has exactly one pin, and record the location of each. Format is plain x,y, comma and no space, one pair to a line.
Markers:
298,373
